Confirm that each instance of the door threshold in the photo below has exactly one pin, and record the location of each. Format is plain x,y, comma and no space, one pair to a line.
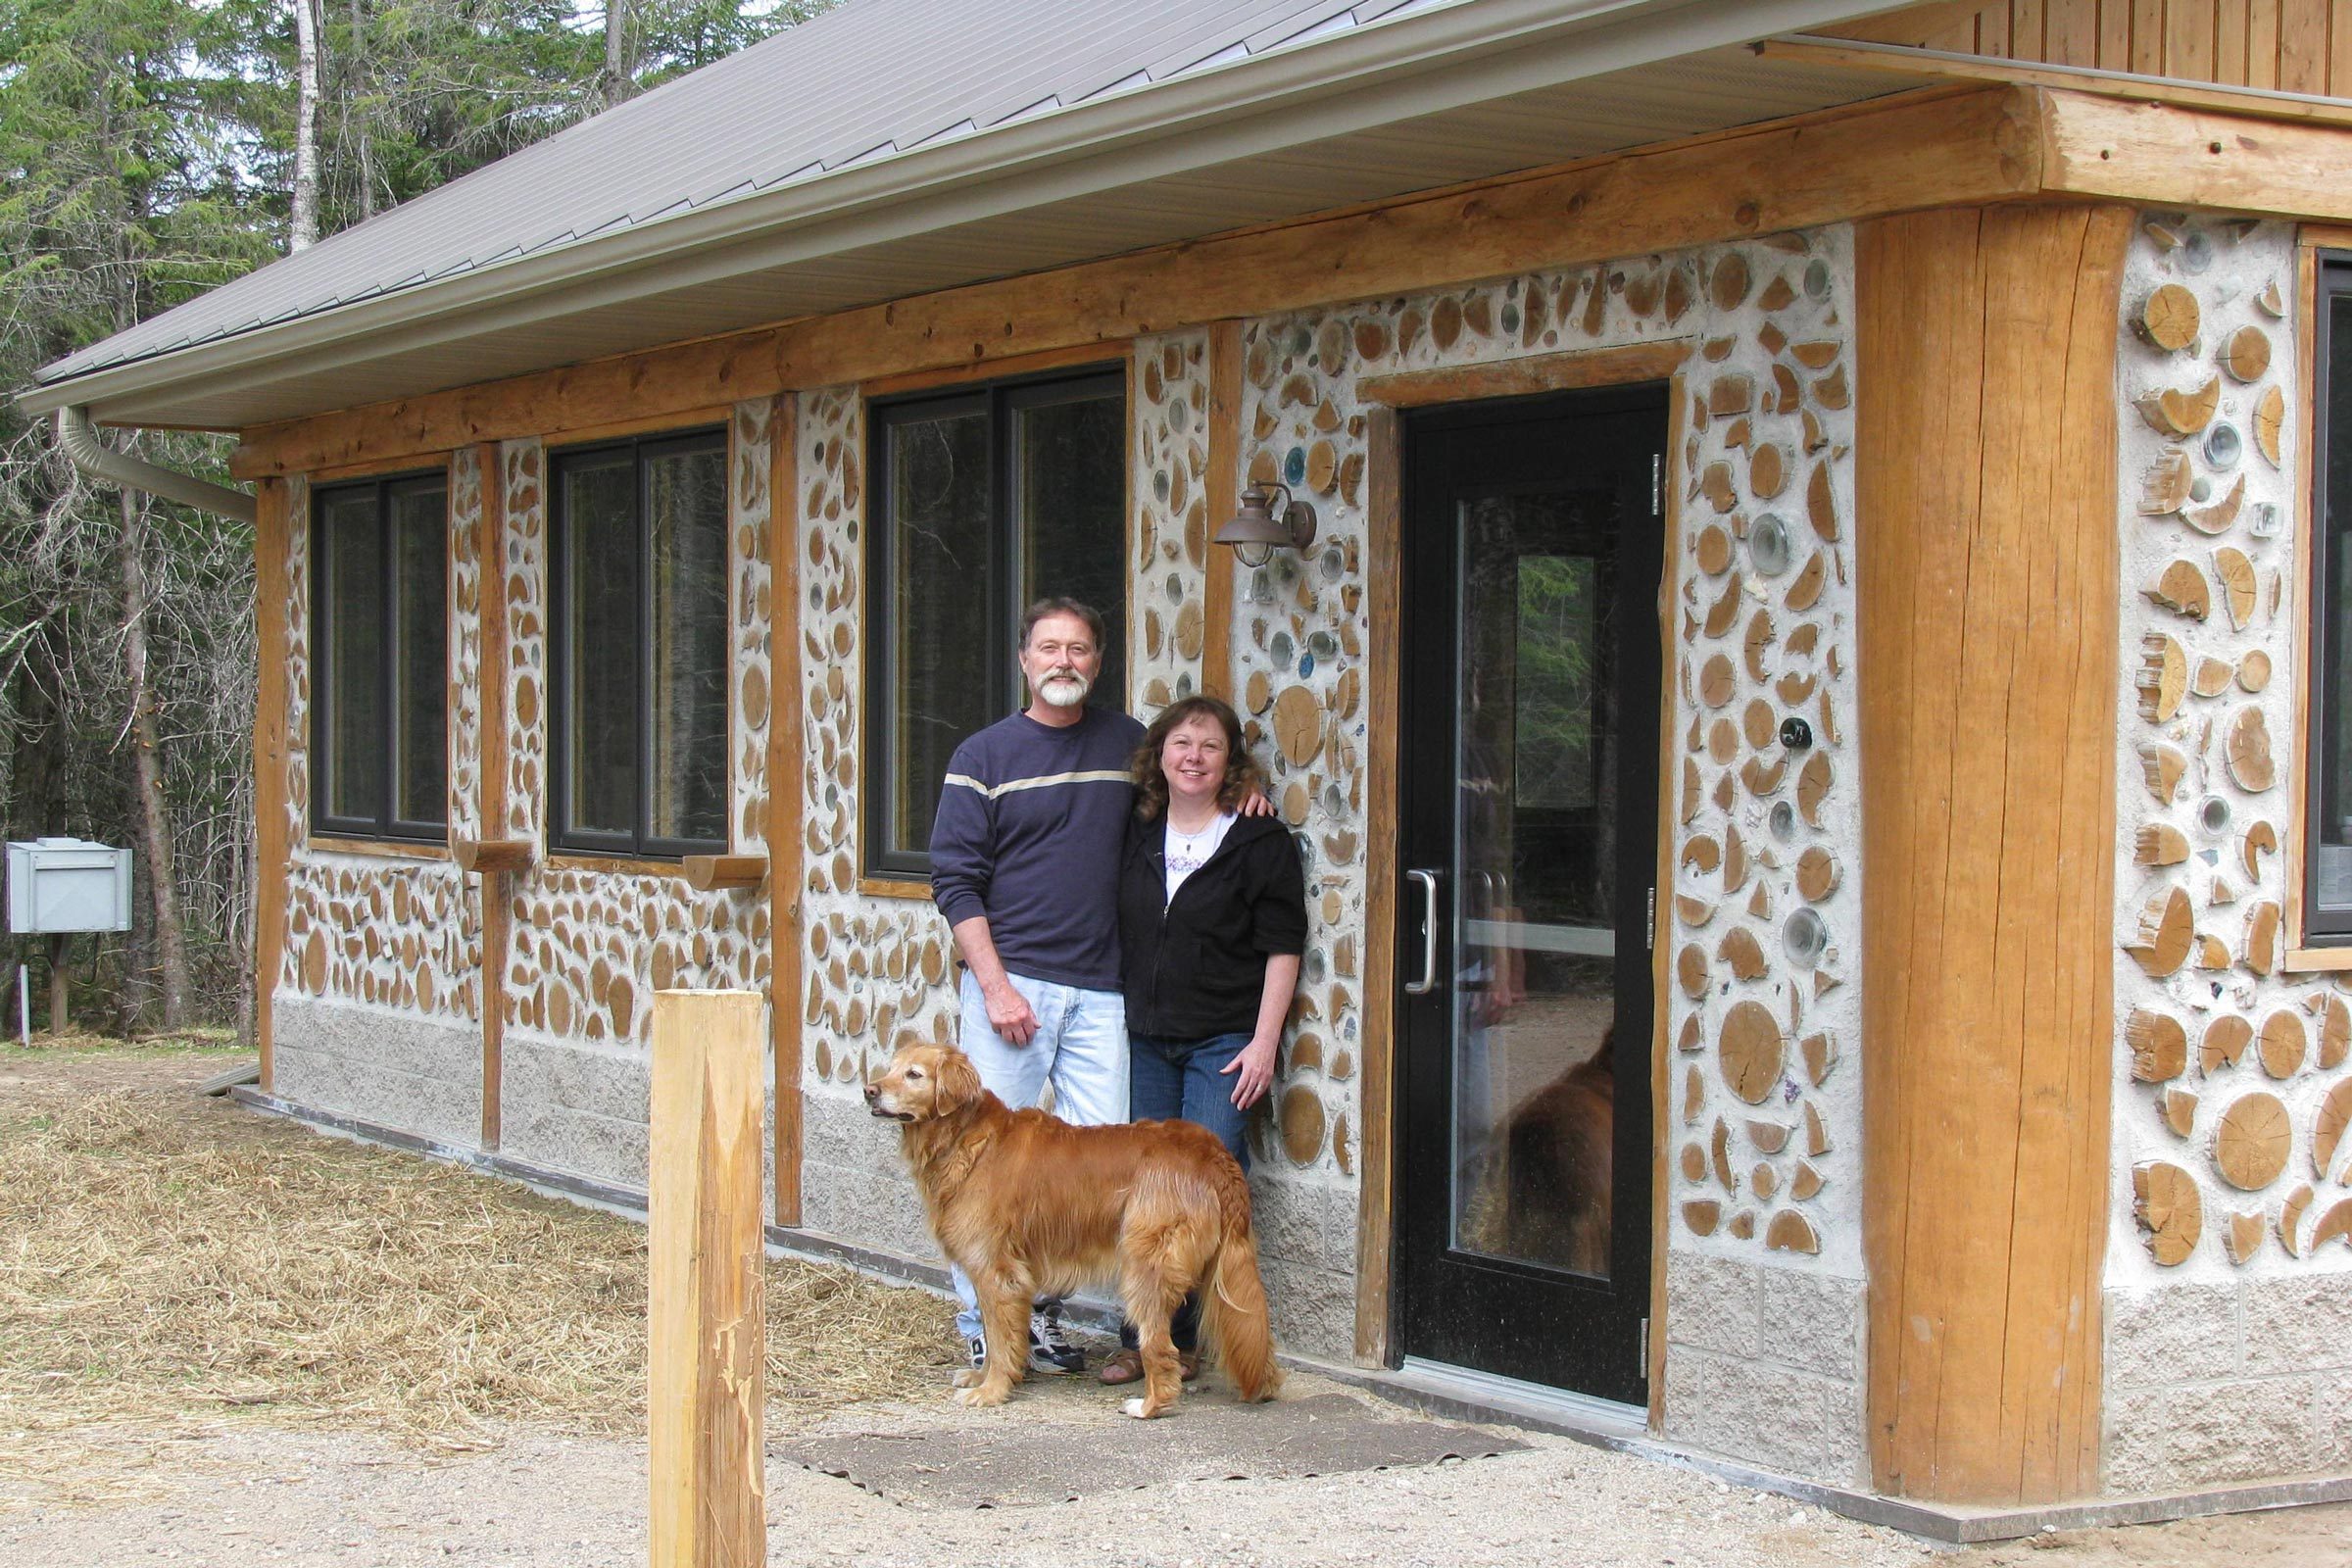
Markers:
1537,1404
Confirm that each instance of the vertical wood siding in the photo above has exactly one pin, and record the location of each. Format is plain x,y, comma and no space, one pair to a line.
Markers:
2300,47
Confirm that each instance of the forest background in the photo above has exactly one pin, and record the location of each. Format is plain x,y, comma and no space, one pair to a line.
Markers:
150,150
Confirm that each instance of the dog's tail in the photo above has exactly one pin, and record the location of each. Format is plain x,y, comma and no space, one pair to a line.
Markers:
1232,1299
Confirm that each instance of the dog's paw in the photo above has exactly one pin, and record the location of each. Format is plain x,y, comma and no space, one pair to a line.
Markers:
966,1378
981,1397
1141,1409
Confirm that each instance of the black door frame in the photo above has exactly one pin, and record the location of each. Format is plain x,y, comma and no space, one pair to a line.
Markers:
1660,390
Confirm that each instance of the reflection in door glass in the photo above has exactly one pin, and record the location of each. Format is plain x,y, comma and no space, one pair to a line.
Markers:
1535,855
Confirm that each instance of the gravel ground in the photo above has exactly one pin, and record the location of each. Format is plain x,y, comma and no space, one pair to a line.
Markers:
213,1490
543,1500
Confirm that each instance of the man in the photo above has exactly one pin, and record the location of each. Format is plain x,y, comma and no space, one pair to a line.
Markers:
1024,865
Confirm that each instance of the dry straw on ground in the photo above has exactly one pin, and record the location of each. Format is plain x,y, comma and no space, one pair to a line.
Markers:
167,1260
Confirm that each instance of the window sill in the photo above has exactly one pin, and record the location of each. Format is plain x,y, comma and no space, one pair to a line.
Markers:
883,886
380,849
2316,960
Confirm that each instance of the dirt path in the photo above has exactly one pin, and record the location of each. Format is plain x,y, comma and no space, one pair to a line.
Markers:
220,1490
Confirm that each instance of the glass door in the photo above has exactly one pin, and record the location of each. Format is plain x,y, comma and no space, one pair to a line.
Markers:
1531,752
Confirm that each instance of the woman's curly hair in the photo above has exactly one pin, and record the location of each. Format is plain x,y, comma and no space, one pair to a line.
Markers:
1242,772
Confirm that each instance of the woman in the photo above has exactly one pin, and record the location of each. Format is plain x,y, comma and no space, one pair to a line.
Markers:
1213,919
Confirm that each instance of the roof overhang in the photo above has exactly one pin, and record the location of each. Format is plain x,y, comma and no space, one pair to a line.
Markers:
1426,99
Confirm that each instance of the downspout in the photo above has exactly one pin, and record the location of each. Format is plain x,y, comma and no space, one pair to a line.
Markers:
81,444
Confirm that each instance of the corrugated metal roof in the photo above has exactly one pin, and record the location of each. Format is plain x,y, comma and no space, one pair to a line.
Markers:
863,81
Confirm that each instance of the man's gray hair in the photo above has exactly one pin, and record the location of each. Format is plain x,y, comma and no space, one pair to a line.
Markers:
1064,606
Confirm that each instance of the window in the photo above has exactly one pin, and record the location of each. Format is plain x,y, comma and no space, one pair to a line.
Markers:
985,499
2328,833
638,656
379,618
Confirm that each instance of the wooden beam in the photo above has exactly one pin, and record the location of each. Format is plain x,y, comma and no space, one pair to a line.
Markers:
1224,482
1536,373
1988,620
490,746
2180,156
1376,1155
706,1305
273,529
1932,150
486,856
787,792
707,872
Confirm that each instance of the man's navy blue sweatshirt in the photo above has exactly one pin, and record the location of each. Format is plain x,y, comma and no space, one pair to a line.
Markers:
1029,831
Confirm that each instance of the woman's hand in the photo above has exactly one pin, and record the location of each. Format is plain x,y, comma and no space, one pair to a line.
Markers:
1255,1064
1254,803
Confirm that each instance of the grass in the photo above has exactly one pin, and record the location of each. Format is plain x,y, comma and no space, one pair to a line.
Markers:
167,1261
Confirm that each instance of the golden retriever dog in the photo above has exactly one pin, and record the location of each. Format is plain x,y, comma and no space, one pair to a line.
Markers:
1029,1206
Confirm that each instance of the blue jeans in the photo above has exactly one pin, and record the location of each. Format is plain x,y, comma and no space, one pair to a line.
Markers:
1186,1080
1080,1048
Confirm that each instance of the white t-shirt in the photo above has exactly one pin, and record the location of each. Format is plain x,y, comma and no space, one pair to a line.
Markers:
1188,852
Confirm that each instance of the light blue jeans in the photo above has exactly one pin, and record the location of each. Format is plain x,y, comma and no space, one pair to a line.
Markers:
1080,1048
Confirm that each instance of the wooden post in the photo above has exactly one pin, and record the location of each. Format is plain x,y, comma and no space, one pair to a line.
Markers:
1224,483
56,982
787,794
273,530
708,1307
490,753
1988,610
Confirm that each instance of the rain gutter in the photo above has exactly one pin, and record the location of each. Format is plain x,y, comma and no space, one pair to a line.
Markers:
91,456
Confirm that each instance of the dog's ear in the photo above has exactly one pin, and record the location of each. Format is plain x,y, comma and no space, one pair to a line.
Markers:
959,1083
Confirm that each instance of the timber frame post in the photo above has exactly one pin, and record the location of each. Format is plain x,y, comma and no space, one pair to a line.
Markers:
707,1306
1988,568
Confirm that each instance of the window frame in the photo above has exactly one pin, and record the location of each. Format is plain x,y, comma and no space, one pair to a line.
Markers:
641,841
2318,928
1000,399
386,825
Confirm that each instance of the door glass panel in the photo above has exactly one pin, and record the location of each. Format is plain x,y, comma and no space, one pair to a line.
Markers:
1535,858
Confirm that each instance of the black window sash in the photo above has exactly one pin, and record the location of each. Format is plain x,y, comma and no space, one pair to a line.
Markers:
1007,570
642,842
2330,626
382,824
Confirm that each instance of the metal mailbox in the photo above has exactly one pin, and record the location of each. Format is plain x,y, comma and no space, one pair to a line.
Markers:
62,885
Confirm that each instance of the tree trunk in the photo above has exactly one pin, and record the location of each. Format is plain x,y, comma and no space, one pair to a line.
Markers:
355,84
619,79
306,128
153,825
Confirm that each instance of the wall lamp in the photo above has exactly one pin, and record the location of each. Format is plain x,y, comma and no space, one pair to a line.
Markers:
1265,524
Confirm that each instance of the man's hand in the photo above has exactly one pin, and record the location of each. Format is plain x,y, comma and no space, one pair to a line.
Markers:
1255,1064
1008,1014
1255,804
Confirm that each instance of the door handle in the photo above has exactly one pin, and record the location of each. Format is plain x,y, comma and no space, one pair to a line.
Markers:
1429,934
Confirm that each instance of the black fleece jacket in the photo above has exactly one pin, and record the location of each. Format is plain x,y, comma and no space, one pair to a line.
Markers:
1197,968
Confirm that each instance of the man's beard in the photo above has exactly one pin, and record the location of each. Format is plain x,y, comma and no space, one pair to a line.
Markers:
1063,689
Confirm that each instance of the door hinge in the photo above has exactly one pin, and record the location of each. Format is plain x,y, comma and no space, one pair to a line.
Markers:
1649,922
1645,1344
1658,484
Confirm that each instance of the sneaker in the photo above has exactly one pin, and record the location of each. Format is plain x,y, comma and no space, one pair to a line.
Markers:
976,1348
1051,1354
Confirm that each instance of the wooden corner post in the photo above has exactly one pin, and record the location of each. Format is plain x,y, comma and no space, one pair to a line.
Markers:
1989,610
708,1306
